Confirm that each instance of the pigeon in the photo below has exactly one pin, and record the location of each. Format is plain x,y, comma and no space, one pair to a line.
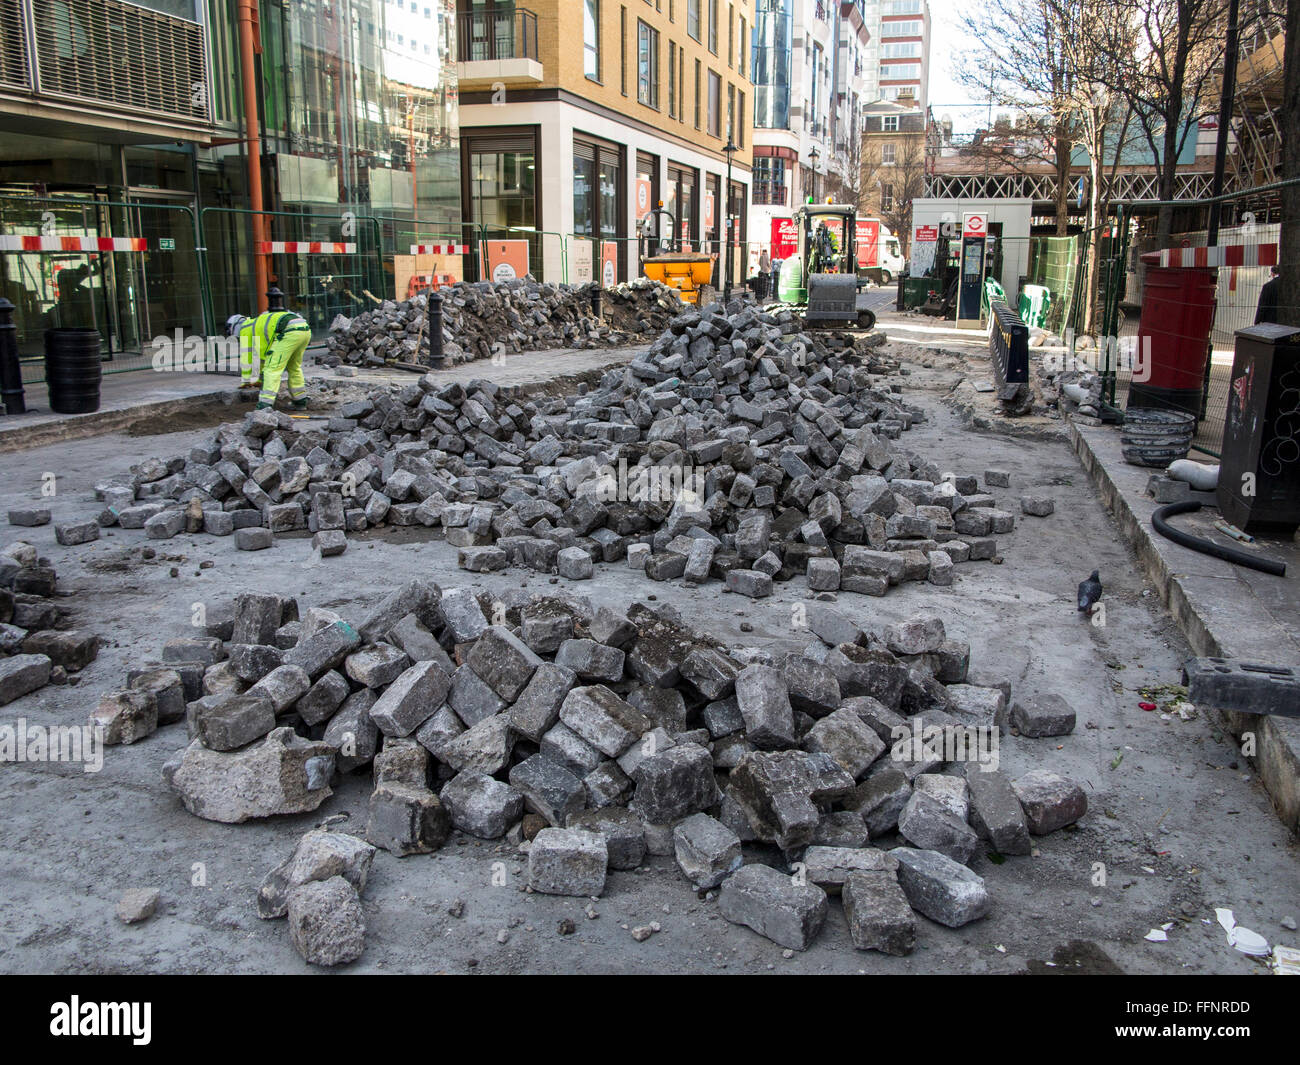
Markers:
1089,592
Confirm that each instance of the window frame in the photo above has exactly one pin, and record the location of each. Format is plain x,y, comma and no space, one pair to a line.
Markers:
589,48
651,97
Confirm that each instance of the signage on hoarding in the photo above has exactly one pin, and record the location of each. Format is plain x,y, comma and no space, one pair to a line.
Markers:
974,225
785,238
608,264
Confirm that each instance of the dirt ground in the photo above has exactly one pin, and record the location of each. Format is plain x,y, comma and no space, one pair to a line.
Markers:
1177,824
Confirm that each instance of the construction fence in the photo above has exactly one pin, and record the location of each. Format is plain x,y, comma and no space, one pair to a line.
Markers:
1142,299
147,272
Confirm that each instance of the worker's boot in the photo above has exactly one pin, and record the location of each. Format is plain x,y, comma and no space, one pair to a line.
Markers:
300,404
265,406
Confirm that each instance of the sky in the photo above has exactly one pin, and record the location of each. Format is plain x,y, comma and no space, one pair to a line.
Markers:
946,43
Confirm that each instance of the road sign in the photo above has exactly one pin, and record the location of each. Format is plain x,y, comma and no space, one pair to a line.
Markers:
974,225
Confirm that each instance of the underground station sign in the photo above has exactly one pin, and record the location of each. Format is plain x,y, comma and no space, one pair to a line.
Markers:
974,225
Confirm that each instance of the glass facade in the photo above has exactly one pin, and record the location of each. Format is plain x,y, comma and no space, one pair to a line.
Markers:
770,63
359,141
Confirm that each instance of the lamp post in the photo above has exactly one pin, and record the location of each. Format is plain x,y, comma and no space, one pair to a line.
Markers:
813,156
730,150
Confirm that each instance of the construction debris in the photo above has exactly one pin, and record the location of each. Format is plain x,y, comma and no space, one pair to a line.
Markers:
621,735
36,646
486,319
737,449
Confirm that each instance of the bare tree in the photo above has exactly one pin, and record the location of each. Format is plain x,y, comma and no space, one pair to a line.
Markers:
1168,61
1023,59
907,177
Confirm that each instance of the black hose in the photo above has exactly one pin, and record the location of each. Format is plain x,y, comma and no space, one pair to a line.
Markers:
1208,547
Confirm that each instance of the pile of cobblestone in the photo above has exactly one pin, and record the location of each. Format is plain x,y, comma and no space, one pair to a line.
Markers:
36,645
486,319
591,738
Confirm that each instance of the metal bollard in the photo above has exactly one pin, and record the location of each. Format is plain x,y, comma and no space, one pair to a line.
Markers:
435,328
11,370
274,299
596,309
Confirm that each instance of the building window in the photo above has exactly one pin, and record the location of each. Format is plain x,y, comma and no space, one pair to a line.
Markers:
886,197
910,28
681,85
731,34
713,26
672,11
887,153
742,46
647,65
901,50
769,181
891,124
731,112
715,105
697,94
622,50
740,121
672,79
591,39
693,18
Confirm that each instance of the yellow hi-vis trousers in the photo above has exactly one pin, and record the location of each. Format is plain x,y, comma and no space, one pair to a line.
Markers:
250,360
285,354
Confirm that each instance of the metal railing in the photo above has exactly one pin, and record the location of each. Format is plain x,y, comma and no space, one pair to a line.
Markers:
496,35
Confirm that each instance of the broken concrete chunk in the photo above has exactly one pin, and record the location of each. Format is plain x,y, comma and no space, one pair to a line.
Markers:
319,855
283,774
326,922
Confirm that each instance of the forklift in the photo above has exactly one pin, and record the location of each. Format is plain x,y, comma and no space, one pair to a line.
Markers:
822,276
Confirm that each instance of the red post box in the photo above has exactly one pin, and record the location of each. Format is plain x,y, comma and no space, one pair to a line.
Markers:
1169,366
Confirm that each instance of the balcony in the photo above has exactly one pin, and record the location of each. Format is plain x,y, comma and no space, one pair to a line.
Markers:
115,65
497,47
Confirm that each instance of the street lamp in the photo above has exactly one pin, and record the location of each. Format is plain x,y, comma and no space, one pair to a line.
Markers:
813,157
730,150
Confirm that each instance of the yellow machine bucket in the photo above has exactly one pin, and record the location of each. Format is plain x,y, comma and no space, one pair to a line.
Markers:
685,271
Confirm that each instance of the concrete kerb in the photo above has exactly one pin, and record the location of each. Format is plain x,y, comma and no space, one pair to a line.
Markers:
24,434
1277,740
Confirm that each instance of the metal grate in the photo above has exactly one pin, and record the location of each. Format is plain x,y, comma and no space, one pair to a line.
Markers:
116,53
13,45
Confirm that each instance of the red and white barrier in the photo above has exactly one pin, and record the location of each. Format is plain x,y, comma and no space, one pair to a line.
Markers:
75,244
439,249
1219,255
304,247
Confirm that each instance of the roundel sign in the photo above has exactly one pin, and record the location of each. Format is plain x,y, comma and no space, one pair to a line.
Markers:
974,225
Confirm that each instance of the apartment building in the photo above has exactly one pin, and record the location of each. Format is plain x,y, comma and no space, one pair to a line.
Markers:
129,121
578,116
894,135
898,59
810,71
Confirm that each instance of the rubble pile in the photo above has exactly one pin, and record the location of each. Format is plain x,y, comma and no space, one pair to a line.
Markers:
483,319
736,449
36,646
591,738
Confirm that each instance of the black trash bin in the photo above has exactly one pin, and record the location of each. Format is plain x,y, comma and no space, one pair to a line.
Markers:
73,370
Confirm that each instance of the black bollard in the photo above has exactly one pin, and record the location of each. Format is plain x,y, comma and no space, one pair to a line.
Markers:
11,370
596,309
274,299
435,328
